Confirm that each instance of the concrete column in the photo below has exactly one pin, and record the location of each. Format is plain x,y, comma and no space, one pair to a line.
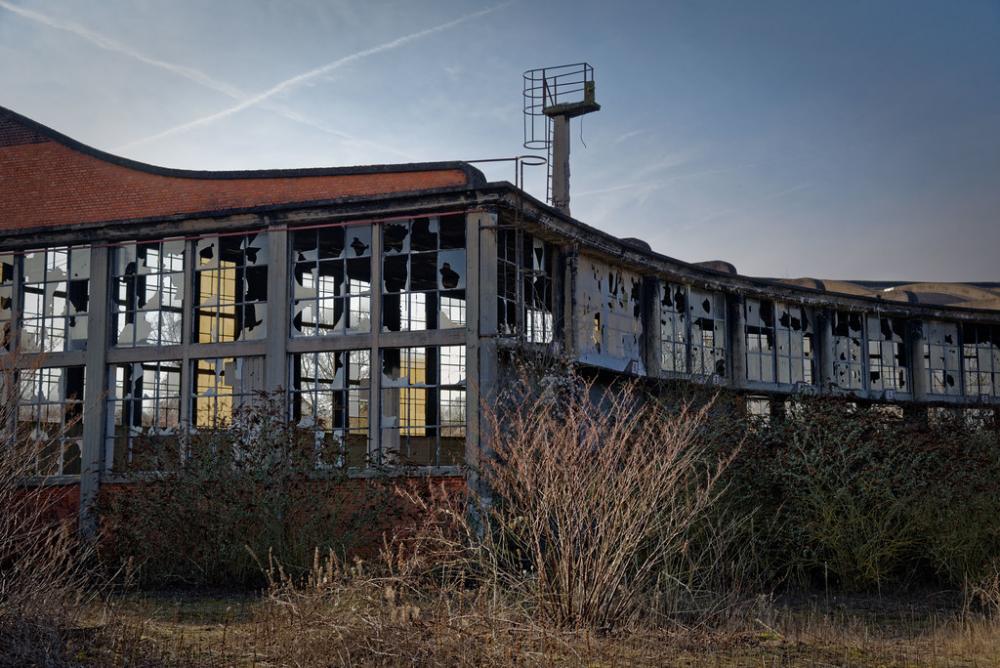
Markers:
481,348
825,350
736,330
560,163
276,362
651,325
375,380
918,365
568,280
95,384
190,323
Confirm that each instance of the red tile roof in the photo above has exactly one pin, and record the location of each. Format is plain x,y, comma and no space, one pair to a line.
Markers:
47,179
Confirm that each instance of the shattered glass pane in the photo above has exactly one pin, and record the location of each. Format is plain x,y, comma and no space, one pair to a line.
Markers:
941,353
451,269
417,274
6,269
49,412
332,295
423,405
50,303
148,289
232,287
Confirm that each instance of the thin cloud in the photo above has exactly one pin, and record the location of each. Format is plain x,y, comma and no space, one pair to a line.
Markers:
303,78
752,204
661,183
626,136
191,74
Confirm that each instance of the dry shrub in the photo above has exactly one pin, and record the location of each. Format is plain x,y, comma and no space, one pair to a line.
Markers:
43,581
238,493
595,493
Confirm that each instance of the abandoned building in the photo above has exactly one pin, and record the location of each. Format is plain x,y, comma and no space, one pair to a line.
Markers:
147,300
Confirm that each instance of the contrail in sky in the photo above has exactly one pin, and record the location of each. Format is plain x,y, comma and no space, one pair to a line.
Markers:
299,79
109,44
189,73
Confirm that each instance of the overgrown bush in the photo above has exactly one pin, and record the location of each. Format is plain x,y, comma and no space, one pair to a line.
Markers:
861,499
239,493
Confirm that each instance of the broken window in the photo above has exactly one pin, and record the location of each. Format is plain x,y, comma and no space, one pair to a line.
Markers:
758,410
673,328
332,284
889,411
887,354
423,406
508,280
794,337
760,340
148,293
941,416
707,314
50,417
423,273
55,292
525,266
981,359
941,352
144,412
6,300
223,384
330,392
848,340
608,315
979,418
230,283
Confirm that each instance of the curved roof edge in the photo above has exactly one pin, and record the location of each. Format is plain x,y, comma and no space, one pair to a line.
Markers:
475,177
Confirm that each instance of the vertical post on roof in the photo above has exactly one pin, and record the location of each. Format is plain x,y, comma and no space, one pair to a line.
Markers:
560,163
95,376
552,96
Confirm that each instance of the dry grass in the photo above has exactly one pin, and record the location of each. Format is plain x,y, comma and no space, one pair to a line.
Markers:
374,623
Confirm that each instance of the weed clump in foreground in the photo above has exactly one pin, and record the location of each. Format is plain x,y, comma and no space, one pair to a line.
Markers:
43,582
588,504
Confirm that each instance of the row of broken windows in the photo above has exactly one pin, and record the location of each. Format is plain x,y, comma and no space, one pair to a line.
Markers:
870,352
422,421
423,269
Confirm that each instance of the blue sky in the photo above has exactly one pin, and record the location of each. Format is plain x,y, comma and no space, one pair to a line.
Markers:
827,139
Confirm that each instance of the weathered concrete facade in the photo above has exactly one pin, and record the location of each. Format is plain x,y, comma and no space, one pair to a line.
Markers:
146,301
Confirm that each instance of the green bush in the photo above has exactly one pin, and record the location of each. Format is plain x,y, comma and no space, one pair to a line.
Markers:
861,499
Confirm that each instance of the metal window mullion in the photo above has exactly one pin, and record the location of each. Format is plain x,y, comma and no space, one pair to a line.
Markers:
189,321
960,340
17,303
